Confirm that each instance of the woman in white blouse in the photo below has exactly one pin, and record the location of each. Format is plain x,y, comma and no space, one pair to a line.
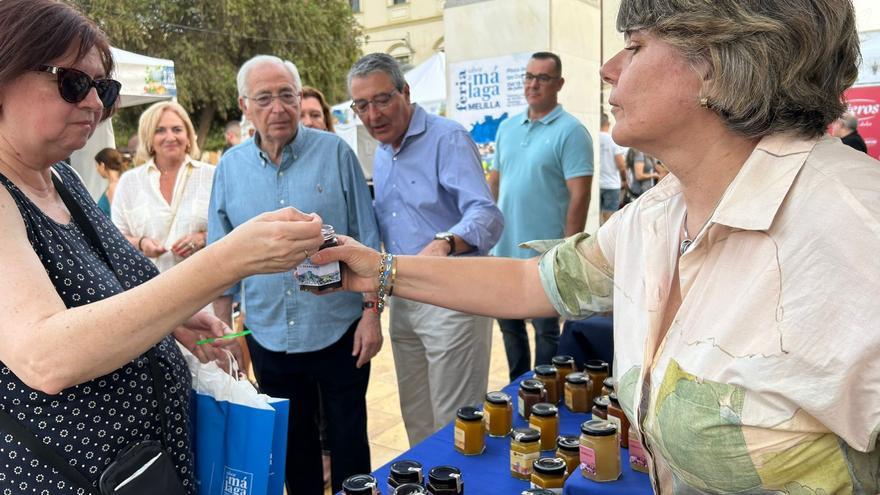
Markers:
162,206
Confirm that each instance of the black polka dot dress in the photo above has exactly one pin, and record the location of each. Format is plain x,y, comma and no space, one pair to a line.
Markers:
90,423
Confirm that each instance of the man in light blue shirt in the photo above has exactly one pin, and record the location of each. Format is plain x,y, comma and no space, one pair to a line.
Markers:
312,349
431,200
542,176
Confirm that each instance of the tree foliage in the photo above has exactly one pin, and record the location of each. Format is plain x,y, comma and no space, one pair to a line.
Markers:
210,39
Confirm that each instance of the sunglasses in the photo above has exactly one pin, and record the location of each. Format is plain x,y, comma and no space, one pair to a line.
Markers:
74,85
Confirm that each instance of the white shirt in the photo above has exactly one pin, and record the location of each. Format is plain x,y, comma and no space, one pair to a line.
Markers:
139,209
609,176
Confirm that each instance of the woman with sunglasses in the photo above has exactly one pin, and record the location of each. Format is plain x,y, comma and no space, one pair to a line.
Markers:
161,207
86,318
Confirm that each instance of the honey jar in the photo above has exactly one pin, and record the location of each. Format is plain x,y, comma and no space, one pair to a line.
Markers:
404,472
410,489
538,491
445,480
600,451
547,374
525,448
638,461
318,278
568,448
577,392
564,366
616,416
608,385
498,414
530,393
360,484
597,370
600,407
469,439
548,473
545,419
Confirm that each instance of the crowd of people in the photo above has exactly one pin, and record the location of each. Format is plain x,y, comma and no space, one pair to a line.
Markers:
734,251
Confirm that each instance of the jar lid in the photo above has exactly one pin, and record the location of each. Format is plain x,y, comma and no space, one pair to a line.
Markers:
525,435
612,397
557,360
598,428
577,378
359,483
545,370
596,365
532,385
544,409
445,477
602,402
609,383
498,398
407,471
411,489
469,413
550,465
538,491
568,442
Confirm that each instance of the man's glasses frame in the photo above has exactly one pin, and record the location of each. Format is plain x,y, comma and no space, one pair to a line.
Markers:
381,100
287,97
541,78
74,85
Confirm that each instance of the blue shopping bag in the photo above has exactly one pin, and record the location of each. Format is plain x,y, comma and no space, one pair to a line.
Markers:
279,446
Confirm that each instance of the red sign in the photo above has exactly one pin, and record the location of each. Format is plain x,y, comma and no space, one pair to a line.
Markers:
864,103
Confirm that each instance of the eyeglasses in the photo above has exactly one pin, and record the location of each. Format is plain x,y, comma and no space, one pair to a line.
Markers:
541,78
74,85
287,98
381,100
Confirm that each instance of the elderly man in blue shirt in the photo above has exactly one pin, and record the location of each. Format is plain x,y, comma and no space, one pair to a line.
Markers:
432,200
309,348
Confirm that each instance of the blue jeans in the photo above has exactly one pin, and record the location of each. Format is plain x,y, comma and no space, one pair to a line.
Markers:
516,343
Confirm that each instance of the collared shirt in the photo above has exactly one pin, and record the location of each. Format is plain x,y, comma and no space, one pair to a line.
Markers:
767,379
318,173
433,183
139,209
535,158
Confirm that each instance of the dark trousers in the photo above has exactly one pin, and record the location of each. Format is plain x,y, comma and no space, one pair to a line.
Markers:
516,343
327,378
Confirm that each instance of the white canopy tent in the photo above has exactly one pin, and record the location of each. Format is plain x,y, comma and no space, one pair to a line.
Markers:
427,85
144,80
869,70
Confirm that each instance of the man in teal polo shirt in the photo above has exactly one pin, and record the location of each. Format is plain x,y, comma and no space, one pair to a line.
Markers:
541,176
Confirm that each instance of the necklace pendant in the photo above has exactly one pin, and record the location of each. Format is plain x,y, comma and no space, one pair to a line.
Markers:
683,247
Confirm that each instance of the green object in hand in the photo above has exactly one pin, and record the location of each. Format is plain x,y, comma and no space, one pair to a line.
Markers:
227,336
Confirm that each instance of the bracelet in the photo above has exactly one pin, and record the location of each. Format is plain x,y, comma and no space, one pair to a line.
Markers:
369,305
140,242
386,262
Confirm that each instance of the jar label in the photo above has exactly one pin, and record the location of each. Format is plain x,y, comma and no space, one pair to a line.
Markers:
487,421
533,486
569,400
459,439
522,463
637,453
309,274
588,460
521,407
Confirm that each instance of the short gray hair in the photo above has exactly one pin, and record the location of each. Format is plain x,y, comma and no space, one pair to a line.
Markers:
849,121
245,70
378,62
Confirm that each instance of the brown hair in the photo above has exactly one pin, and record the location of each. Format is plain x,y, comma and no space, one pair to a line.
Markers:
773,66
111,159
37,32
310,92
148,123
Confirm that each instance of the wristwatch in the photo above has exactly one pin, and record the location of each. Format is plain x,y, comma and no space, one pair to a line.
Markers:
448,237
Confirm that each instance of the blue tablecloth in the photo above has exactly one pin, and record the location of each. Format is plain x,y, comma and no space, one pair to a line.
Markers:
489,473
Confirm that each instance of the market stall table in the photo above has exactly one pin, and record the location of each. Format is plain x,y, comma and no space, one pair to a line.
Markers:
489,473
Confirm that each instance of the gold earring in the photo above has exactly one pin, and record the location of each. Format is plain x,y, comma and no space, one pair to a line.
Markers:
704,102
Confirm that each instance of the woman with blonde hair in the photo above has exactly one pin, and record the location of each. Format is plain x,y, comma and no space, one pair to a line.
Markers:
162,206
744,284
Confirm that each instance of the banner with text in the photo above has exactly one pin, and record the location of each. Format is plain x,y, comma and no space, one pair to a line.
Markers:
864,103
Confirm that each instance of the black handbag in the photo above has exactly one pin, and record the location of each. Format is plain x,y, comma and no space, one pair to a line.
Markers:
141,468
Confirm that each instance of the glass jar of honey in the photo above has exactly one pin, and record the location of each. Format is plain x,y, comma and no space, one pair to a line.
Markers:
577,392
410,489
318,278
616,416
404,472
469,435
548,473
597,370
445,480
525,448
545,419
360,484
600,451
638,461
564,366
539,491
608,385
600,407
531,392
498,414
568,448
547,374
